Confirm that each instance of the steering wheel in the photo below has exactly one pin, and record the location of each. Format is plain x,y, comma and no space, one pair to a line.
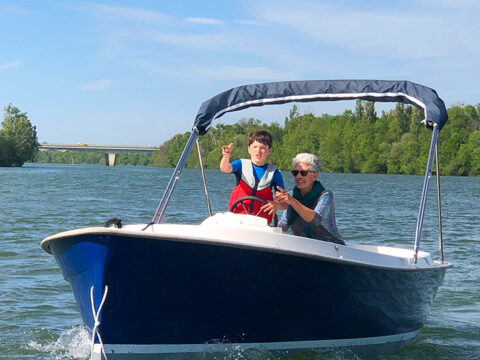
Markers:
252,199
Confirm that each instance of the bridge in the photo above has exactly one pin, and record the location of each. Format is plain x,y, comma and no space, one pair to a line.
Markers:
110,151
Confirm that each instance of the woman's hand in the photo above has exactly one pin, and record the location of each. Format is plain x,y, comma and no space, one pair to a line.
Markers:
283,198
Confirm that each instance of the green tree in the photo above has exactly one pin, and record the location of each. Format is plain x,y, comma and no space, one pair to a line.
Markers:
331,153
356,141
359,110
19,132
416,126
370,112
473,147
403,117
6,152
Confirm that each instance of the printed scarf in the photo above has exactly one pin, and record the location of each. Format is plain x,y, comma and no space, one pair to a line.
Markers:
307,200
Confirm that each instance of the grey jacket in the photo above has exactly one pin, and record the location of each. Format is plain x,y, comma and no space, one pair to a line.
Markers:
323,225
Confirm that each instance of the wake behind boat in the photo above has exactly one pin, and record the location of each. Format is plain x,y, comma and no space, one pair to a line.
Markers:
162,290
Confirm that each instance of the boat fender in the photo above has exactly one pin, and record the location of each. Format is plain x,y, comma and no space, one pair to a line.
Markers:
114,222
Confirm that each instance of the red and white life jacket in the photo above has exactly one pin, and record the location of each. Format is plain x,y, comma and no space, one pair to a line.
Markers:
247,185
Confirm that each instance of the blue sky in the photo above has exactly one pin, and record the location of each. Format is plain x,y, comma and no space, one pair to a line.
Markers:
136,72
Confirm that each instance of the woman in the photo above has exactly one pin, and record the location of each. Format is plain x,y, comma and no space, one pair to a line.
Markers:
310,211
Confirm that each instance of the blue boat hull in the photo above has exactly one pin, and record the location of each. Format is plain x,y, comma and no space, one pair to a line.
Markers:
166,291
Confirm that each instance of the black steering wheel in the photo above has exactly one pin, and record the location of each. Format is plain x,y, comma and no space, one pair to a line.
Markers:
249,210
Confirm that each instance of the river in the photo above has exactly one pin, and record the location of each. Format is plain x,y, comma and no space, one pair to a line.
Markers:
38,315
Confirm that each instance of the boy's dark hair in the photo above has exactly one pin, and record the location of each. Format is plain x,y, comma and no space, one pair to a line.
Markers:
262,136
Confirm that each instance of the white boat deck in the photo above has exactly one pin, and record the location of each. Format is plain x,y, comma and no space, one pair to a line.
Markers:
228,229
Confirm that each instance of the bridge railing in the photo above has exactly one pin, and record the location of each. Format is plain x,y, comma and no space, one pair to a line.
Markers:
110,151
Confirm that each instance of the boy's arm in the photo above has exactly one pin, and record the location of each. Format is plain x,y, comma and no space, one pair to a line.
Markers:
272,206
225,165
278,179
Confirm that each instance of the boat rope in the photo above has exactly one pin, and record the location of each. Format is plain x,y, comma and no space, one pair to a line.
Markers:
96,315
148,225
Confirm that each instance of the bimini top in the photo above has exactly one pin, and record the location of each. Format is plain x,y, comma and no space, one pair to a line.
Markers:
246,96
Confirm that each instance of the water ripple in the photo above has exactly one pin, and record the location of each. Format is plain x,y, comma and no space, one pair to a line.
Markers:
38,315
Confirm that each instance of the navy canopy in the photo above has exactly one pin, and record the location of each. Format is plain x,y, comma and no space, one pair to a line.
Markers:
246,96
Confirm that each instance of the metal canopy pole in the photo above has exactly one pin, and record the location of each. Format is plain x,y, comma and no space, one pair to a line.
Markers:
175,176
421,211
439,205
204,179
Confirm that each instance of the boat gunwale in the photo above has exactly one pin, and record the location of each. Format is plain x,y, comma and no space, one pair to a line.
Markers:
45,244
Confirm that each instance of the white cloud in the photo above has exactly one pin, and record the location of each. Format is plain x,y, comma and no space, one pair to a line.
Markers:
204,21
404,32
176,32
250,22
10,65
13,10
308,39
96,85
234,72
216,73
456,4
203,41
126,13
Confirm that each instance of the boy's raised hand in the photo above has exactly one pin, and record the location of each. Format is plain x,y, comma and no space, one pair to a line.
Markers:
225,165
227,150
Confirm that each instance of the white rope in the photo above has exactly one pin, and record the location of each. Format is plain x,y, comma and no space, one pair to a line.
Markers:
96,315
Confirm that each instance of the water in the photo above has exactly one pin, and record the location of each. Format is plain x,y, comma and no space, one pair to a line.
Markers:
38,315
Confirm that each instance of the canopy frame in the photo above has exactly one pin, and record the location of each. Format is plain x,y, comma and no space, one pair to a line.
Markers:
323,90
247,96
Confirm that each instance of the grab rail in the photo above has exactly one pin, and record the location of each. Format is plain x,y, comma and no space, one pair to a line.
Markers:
421,211
439,206
157,218
207,198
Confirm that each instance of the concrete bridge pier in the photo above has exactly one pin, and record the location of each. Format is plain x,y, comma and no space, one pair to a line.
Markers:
110,159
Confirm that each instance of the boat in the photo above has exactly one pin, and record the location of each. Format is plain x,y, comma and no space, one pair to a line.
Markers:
234,283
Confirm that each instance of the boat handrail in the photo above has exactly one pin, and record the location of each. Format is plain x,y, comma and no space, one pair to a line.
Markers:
157,218
421,211
439,206
207,198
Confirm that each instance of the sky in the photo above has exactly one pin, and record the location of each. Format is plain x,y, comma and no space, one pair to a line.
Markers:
136,72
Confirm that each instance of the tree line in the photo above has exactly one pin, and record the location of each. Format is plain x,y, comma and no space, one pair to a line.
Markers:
358,141
87,157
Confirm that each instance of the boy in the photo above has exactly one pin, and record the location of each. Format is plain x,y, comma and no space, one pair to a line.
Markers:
255,176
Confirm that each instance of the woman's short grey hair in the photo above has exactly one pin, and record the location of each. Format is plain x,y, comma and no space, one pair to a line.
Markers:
309,159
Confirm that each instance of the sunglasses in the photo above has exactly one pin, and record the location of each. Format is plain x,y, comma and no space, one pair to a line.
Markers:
303,172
